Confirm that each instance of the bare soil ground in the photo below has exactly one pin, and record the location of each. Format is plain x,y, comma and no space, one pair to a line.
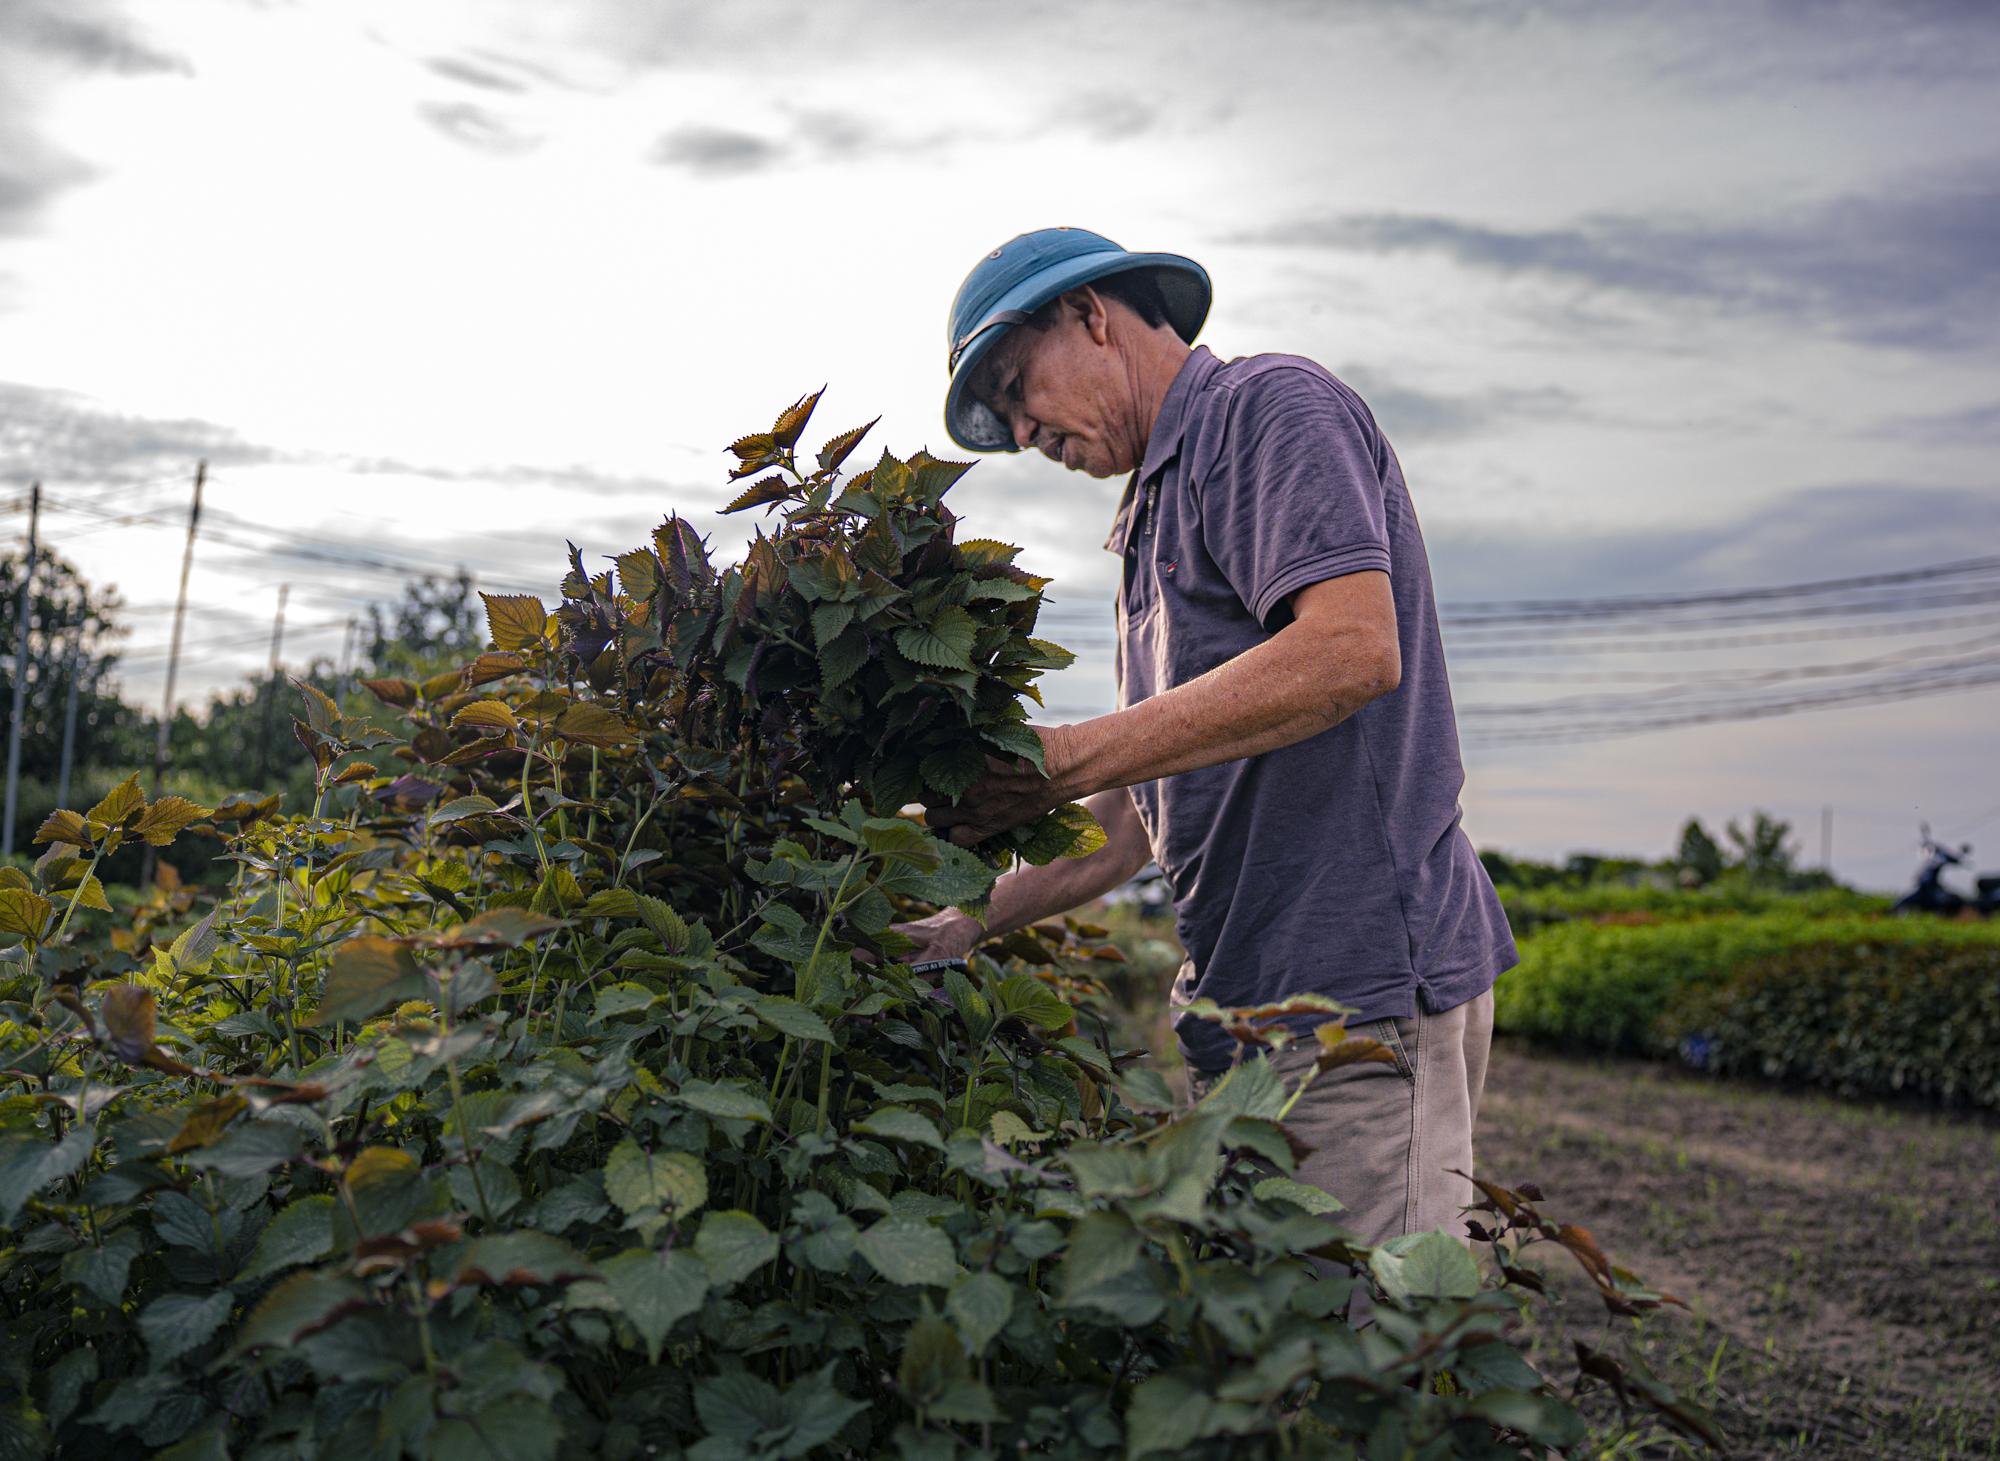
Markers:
1841,1259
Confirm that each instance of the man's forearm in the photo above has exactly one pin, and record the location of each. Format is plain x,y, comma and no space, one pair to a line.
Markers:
1307,678
1030,894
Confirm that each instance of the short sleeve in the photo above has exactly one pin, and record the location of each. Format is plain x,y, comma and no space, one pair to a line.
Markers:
1294,496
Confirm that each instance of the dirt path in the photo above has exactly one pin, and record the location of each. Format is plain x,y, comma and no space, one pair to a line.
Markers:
1842,1259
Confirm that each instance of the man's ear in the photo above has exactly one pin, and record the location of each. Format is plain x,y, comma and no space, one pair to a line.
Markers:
1089,309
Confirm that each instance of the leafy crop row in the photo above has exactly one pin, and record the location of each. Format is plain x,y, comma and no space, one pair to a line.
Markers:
1861,1016
1607,985
552,1086
1530,909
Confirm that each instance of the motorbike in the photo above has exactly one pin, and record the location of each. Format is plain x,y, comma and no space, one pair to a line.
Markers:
1931,895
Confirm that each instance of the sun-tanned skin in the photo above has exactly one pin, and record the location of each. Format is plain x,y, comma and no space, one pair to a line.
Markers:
1086,391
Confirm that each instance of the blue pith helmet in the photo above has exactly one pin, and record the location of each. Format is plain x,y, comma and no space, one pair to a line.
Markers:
1022,275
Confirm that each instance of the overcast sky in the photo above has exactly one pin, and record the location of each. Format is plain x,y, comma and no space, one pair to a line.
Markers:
1697,296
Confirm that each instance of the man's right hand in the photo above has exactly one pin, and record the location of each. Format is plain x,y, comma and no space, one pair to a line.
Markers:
946,934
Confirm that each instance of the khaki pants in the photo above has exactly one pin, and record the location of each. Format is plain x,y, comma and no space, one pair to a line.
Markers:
1386,1138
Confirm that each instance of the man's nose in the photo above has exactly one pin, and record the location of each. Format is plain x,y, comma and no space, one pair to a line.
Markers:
1025,427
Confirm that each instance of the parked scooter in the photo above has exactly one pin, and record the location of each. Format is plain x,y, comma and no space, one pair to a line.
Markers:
1930,895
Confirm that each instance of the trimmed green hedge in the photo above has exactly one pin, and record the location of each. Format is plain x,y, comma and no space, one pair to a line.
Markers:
1530,909
1607,985
1862,1017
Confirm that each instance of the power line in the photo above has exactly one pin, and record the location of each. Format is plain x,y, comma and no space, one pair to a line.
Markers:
1652,603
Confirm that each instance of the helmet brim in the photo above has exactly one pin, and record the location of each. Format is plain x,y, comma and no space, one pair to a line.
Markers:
1183,285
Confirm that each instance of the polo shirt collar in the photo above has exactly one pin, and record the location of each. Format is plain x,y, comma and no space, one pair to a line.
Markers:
1171,424
1164,443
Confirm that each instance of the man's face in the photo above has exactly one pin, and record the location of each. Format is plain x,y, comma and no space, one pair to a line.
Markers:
1064,390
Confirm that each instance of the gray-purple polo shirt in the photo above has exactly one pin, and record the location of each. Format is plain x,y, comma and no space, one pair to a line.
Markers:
1336,865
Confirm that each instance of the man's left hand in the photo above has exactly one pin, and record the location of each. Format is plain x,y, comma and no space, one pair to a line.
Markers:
1012,792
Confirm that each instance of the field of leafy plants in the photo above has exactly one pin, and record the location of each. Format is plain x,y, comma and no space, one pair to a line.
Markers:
552,1086
1859,1003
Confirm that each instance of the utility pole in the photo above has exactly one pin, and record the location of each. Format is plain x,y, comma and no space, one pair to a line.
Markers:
75,673
21,669
345,685
271,691
174,658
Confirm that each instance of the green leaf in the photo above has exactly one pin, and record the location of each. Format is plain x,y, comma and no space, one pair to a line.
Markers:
841,660
773,488
486,715
895,840
24,912
585,724
656,1291
1299,1194
195,949
368,974
1088,833
980,1304
1016,739
30,1163
900,1123
1028,999
515,621
1145,1090
1103,1247
952,771
835,451
164,820
520,1260
945,643
962,877
909,1251
512,1428
250,1149
828,622
298,1306
300,1233
1251,1088
177,1323
1171,1411
119,805
1425,1266
728,1102
102,1272
644,1184
638,572
932,1360
66,1379
1050,656
497,928
1008,1129
788,1017
748,1417
732,1246
667,926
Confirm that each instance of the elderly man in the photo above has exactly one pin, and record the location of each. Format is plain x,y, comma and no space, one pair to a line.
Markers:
1284,744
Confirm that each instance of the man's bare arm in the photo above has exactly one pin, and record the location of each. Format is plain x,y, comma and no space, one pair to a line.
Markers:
1339,652
1030,894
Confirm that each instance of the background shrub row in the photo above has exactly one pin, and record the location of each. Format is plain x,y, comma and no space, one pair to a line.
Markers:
1610,986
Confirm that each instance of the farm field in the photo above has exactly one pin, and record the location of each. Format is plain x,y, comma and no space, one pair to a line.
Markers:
1841,1258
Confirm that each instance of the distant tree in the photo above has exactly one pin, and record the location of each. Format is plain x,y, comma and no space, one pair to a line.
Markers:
437,621
1699,861
73,637
242,740
1763,851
